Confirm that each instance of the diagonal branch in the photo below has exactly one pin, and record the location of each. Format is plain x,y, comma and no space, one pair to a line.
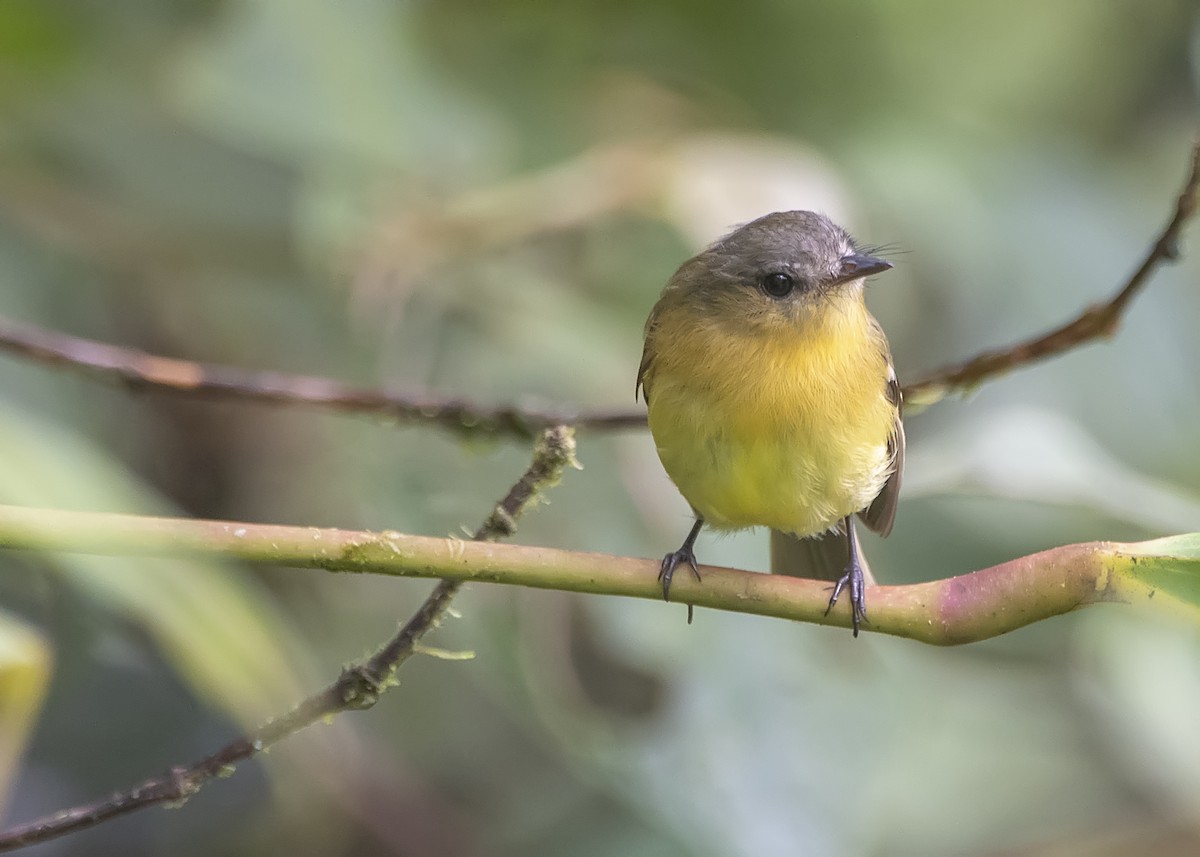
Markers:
140,370
357,688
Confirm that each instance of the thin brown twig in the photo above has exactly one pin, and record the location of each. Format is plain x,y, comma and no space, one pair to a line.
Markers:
1098,320
140,370
357,688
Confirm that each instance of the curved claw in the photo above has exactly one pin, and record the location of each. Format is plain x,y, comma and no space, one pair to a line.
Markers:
853,577
685,554
670,562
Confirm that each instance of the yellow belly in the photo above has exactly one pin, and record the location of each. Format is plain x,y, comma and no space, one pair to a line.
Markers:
788,431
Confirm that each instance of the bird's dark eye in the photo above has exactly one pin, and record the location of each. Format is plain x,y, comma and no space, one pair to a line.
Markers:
778,284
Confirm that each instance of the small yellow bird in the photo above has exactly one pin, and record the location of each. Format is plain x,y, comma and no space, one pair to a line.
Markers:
772,398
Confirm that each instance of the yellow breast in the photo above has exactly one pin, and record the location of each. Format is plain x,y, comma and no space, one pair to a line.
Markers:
785,427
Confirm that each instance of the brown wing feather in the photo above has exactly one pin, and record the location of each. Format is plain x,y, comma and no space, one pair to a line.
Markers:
647,358
881,514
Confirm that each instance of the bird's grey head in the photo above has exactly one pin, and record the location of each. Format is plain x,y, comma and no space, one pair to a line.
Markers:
790,252
778,266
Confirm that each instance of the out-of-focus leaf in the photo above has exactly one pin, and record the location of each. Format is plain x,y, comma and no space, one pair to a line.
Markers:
716,181
1043,456
308,80
1136,673
34,40
25,664
216,625
774,734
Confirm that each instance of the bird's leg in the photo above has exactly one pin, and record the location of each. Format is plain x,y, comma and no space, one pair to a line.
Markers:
852,577
685,554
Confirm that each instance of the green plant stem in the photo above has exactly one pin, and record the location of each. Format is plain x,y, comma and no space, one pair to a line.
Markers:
951,611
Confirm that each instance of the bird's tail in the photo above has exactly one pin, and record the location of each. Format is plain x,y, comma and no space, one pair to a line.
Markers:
822,557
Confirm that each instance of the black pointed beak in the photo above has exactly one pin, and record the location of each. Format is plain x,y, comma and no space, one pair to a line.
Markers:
859,265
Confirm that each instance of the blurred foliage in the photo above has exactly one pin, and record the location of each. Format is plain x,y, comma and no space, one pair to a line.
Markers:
25,667
483,200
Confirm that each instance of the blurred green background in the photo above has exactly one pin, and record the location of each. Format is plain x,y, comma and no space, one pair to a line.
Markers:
483,199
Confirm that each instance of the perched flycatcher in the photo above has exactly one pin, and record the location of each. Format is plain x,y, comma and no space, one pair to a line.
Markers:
772,398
